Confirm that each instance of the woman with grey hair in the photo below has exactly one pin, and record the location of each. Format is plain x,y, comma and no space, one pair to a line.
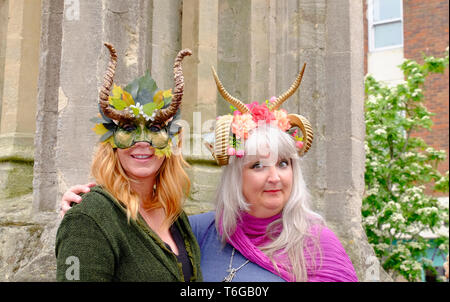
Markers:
263,228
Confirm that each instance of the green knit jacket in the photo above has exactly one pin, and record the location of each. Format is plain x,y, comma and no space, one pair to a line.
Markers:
95,242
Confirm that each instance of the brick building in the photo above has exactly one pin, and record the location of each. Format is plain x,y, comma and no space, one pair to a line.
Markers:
426,31
409,29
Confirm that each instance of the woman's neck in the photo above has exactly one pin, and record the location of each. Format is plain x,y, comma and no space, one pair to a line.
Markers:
144,189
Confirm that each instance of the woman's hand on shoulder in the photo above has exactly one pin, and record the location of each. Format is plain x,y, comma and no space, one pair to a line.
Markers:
71,195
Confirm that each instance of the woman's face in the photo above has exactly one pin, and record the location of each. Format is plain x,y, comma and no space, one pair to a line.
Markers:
140,161
267,186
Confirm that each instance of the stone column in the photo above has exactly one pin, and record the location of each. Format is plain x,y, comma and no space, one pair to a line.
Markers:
45,177
4,10
164,41
234,67
199,33
19,89
341,162
199,108
83,58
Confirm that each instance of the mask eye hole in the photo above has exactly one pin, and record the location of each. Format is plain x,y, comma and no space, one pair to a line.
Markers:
129,127
154,128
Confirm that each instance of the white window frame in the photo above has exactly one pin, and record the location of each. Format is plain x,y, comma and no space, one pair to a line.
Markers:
372,24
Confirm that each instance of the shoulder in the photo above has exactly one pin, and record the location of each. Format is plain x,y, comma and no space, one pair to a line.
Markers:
203,218
326,236
97,202
332,261
201,224
98,209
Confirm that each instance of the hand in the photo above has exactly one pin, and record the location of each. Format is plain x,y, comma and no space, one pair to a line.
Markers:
71,195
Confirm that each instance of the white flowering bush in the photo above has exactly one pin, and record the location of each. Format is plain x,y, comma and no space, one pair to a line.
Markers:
397,209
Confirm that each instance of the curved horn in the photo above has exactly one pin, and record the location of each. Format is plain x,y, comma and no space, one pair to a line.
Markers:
106,88
230,99
289,92
164,114
306,129
222,139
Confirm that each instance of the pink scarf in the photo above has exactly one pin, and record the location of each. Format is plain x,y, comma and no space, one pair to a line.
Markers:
249,235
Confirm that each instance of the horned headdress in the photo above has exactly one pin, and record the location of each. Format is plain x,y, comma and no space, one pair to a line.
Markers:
236,127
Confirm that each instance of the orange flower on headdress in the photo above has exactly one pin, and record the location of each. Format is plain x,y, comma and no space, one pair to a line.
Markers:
282,120
242,125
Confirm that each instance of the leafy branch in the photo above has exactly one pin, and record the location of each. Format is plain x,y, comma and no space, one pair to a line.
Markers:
399,166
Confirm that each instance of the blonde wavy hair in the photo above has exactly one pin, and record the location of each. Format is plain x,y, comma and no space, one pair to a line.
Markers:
172,182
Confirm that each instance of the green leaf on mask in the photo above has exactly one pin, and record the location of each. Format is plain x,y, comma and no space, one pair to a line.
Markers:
149,108
162,98
120,99
167,93
147,83
127,98
118,103
158,97
100,129
110,140
133,88
135,111
116,91
167,101
106,135
165,152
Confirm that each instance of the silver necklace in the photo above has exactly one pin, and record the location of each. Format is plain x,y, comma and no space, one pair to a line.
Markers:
232,271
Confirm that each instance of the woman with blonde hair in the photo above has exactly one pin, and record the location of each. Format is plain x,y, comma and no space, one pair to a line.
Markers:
131,226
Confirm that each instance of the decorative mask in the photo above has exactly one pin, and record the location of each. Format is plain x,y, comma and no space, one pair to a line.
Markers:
140,112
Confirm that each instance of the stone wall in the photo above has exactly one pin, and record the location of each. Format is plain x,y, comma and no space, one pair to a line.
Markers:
19,55
257,47
25,243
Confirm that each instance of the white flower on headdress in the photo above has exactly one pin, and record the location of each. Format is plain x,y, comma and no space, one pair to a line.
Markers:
153,115
140,109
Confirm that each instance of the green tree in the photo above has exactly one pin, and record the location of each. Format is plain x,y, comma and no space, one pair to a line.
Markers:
396,209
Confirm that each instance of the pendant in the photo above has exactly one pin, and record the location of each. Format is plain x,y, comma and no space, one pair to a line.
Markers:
230,275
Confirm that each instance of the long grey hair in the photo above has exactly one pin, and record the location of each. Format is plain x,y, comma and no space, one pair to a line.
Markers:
297,218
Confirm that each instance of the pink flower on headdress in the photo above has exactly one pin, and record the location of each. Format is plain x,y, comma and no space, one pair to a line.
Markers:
240,153
299,144
251,105
231,151
282,119
242,125
272,99
261,112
